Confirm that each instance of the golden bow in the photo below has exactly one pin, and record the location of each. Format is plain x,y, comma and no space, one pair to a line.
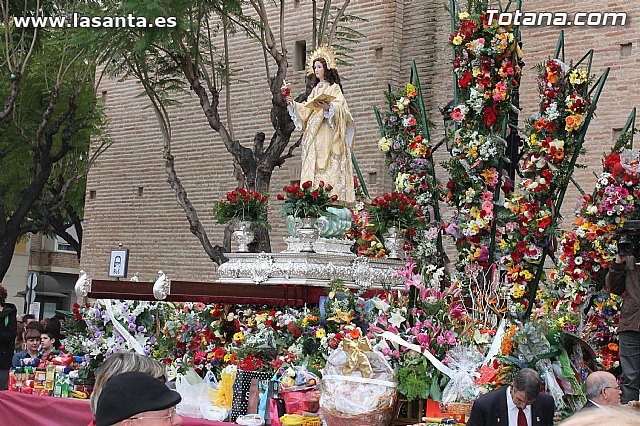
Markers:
357,358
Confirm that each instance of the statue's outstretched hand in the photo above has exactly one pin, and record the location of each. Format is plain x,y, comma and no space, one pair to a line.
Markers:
289,100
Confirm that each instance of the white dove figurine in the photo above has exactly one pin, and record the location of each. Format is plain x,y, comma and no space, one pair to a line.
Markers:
162,287
83,286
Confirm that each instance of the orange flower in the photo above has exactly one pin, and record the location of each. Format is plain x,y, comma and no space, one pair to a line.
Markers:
572,122
355,333
552,78
612,346
540,124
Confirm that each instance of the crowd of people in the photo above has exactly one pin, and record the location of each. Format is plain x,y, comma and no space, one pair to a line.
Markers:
23,336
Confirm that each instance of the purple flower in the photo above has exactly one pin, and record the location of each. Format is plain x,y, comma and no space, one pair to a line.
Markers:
141,329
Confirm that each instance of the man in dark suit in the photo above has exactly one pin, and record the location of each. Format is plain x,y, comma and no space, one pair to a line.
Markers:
602,391
519,404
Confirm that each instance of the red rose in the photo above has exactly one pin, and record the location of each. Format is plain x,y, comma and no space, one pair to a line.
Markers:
321,184
314,195
465,80
280,197
306,185
334,197
490,116
263,199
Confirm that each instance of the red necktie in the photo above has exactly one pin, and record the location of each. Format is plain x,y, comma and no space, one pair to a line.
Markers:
522,419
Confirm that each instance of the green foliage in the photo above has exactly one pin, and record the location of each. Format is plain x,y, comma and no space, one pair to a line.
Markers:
44,143
418,379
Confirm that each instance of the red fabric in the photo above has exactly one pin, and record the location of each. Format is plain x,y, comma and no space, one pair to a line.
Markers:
19,409
522,418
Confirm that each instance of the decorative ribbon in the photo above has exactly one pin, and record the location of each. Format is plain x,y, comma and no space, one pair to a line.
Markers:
357,358
121,330
496,343
435,361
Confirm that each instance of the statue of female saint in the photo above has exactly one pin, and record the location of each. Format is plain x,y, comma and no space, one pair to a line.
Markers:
328,128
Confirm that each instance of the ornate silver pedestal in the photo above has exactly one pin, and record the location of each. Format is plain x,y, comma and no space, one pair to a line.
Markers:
244,235
312,269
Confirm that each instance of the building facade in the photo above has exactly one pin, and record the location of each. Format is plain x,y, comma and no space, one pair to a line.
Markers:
54,264
129,202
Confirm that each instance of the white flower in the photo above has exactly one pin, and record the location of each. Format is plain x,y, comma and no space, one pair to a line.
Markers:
380,304
396,319
578,260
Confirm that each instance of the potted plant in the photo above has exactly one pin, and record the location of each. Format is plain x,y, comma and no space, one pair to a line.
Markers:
306,204
393,214
245,208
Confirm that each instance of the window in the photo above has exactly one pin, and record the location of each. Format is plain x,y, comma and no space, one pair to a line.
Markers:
300,59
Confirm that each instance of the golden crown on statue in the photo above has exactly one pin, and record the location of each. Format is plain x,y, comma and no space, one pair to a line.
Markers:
324,51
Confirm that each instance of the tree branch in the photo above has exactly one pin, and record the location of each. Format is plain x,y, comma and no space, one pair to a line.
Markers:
336,22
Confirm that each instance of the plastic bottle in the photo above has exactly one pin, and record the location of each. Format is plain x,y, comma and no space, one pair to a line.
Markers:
50,379
65,387
57,390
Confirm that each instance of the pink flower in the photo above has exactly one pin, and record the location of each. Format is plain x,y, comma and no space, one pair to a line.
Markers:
457,311
487,206
386,351
487,196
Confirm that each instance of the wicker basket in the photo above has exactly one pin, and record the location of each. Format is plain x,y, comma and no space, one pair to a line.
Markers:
457,408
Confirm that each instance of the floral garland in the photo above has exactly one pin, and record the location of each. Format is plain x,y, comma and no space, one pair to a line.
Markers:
408,155
531,212
487,74
586,252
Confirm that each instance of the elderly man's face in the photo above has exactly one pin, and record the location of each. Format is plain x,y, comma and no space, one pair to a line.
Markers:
611,393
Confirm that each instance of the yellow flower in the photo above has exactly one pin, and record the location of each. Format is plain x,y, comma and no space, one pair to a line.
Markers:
384,144
526,274
457,40
320,333
517,293
410,88
463,15
503,244
238,337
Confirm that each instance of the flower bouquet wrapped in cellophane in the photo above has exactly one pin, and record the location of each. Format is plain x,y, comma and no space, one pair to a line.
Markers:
358,386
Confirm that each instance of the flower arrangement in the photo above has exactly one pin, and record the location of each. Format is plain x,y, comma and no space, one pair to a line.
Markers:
243,205
93,333
367,239
486,72
409,155
589,247
434,320
395,210
306,201
547,163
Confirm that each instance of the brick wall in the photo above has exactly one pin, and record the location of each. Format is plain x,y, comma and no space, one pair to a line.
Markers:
130,202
